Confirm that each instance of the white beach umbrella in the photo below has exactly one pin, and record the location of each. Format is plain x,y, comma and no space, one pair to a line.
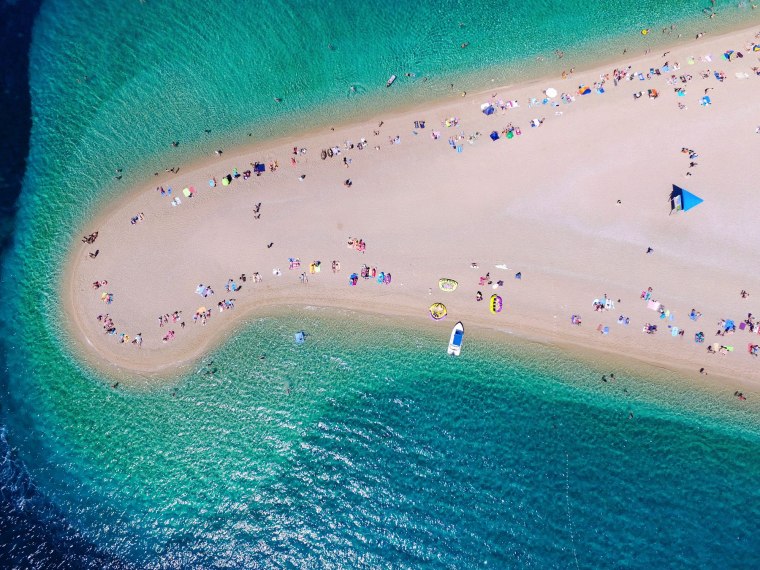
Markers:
551,92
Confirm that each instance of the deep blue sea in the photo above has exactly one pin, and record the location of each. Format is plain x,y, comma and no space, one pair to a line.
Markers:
365,447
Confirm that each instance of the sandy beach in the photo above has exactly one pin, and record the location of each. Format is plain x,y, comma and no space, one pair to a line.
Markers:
561,210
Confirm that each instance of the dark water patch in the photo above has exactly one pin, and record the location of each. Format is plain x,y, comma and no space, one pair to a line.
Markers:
16,20
33,534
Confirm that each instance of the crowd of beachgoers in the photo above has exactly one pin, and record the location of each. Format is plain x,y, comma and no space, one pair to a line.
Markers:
679,83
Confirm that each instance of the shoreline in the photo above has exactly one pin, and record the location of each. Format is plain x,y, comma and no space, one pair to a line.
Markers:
420,102
409,302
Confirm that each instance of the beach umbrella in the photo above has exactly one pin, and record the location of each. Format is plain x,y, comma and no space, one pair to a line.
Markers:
212,183
201,310
187,192
551,92
225,181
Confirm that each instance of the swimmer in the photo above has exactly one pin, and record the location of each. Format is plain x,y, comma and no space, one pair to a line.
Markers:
278,100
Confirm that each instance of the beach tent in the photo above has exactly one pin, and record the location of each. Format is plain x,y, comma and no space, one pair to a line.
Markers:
681,199
487,109
494,136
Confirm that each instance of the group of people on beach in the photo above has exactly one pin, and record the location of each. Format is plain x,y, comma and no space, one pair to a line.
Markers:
90,239
346,149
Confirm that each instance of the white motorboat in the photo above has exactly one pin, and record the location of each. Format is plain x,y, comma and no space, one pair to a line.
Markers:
457,336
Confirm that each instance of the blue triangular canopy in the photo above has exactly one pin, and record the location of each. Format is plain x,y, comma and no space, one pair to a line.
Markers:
683,199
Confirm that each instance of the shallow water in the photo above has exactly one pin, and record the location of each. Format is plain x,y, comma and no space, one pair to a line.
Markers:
366,446
360,449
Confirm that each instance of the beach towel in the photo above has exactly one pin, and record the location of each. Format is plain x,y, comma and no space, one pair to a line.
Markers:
674,331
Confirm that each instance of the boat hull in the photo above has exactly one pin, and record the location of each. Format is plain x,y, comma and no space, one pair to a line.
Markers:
455,342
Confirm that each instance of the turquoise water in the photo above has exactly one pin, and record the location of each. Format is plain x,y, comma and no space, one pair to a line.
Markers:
354,450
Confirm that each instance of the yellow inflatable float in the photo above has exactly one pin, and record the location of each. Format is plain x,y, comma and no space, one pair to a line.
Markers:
438,311
495,304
